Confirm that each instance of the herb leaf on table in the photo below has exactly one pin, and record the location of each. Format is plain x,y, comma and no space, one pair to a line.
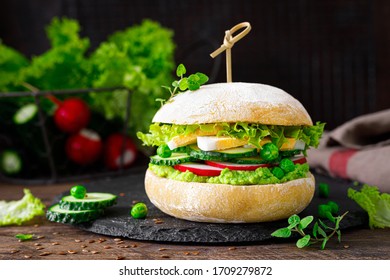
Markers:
296,224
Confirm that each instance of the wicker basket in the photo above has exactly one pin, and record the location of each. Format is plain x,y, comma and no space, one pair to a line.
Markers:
41,144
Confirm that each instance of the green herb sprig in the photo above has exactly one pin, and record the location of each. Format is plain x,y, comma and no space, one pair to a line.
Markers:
192,82
321,232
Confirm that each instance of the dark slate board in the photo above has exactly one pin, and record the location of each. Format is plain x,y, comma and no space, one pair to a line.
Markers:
118,222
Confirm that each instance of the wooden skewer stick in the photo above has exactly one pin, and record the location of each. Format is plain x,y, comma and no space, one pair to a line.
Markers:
228,43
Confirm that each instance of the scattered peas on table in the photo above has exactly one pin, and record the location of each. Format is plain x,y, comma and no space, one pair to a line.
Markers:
139,210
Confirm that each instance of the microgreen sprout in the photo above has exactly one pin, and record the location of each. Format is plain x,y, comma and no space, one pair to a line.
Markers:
192,82
323,190
321,231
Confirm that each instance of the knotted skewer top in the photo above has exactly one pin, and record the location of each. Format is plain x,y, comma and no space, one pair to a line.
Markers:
228,43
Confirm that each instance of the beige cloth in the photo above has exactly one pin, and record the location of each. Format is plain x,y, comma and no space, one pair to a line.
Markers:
358,150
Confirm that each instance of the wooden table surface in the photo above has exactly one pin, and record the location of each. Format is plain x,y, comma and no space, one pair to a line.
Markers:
59,241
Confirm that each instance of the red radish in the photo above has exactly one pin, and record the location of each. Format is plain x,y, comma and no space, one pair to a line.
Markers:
118,145
236,166
71,115
299,159
84,147
199,169
248,167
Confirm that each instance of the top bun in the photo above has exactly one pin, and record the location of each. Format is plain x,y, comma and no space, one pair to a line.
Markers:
234,102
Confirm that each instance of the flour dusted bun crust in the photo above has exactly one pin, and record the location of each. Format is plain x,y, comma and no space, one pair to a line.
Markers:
221,203
234,102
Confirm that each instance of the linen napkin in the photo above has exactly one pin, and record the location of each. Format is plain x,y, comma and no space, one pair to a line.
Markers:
358,150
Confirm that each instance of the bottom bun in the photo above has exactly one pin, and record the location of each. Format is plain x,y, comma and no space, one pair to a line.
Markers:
222,203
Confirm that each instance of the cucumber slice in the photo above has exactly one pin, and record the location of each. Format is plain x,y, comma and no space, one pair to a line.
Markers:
248,160
223,155
92,201
25,113
175,158
290,153
10,162
56,214
182,149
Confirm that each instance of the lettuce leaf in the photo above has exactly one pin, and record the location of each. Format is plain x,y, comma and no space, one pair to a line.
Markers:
11,62
139,58
161,133
19,211
376,204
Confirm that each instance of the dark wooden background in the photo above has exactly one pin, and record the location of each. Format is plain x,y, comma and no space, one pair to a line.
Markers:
332,55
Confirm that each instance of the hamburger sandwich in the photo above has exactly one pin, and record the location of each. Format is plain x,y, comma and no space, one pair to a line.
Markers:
231,153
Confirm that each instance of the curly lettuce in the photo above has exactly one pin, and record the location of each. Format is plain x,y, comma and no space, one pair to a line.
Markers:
11,62
64,65
139,58
161,133
376,204
20,211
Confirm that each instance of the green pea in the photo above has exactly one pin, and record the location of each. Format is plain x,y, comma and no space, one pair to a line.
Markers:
269,152
78,192
139,210
278,172
164,151
323,209
323,190
334,207
287,165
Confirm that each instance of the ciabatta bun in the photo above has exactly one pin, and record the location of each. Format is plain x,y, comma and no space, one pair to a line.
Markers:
234,102
221,203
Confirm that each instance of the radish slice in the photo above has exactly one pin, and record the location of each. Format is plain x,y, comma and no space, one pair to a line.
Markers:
299,159
236,166
199,169
214,168
251,167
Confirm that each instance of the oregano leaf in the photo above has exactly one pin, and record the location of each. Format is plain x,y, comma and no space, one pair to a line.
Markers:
306,221
193,78
282,232
323,224
303,242
330,217
193,85
294,220
322,232
181,70
183,84
202,78
292,226
315,229
324,243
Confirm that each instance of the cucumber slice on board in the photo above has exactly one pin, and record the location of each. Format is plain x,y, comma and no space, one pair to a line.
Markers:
56,214
222,155
25,113
175,158
92,201
10,162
